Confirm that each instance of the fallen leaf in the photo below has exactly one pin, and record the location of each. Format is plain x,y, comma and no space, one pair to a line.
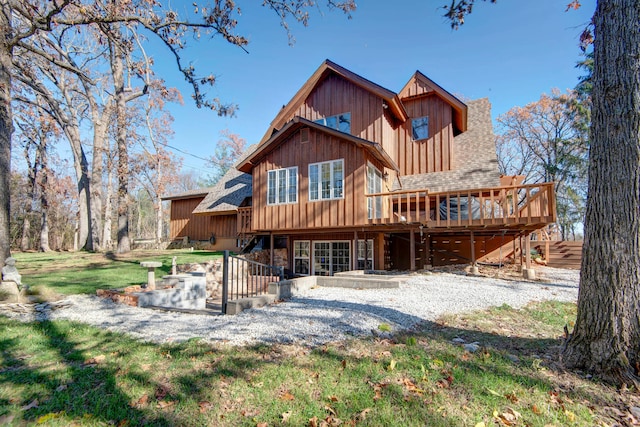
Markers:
313,422
205,406
333,398
536,410
480,424
140,402
61,387
262,425
330,410
511,397
570,416
33,404
344,364
362,415
392,365
287,396
495,393
285,416
96,360
163,404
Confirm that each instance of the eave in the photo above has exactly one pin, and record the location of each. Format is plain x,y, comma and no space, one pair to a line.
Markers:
247,164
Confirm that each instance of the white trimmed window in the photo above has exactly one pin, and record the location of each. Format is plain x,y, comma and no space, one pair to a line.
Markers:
331,257
326,180
374,185
282,186
420,128
301,256
365,254
341,122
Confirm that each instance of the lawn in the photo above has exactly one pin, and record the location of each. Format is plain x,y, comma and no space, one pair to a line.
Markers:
83,272
63,373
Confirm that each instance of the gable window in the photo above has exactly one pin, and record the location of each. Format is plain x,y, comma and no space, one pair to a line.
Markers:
341,122
420,128
282,186
326,180
374,185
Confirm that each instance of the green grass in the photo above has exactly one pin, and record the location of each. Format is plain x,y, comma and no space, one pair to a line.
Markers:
84,272
64,373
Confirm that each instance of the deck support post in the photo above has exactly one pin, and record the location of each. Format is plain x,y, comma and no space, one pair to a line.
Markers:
427,250
271,246
412,249
474,266
528,272
354,263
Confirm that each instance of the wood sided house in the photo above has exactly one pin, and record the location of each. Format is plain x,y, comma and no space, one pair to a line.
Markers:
353,176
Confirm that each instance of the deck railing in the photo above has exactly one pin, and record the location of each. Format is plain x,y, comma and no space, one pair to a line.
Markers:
523,204
244,220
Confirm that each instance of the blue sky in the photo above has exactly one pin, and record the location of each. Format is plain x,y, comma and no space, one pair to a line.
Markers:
510,52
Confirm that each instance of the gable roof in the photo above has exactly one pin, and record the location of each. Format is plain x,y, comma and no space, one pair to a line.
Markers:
227,195
247,163
474,168
326,68
419,85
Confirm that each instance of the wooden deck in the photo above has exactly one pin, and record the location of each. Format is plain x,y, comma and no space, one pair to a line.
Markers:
527,207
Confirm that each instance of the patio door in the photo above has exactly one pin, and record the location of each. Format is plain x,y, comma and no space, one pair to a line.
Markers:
331,257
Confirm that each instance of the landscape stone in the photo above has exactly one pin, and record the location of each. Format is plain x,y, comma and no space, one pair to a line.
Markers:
10,272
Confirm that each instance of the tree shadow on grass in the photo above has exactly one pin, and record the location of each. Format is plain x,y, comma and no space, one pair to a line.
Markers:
70,383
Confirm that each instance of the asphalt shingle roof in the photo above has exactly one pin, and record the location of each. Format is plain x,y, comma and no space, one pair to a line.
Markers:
475,161
227,194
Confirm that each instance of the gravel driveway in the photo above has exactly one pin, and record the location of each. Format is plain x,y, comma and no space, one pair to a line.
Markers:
321,315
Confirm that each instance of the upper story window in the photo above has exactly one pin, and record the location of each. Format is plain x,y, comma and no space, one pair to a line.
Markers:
282,186
374,185
420,128
341,122
326,180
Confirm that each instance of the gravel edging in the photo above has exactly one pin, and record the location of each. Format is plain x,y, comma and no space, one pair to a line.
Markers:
321,315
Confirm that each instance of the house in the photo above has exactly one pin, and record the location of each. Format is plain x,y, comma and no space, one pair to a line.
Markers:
353,176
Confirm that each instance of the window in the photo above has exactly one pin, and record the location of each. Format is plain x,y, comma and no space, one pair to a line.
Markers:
282,186
301,252
374,185
331,257
326,180
341,122
420,128
365,254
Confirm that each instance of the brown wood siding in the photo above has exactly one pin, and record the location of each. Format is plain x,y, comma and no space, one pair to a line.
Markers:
199,227
224,226
434,154
335,95
184,223
345,212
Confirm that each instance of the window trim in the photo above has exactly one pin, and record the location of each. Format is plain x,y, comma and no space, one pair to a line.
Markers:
289,173
307,258
331,243
333,187
323,121
415,119
377,199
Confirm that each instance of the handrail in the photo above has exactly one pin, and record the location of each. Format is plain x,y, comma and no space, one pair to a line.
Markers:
502,205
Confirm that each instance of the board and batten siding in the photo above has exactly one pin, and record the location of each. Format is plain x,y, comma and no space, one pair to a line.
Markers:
335,95
434,154
199,227
346,212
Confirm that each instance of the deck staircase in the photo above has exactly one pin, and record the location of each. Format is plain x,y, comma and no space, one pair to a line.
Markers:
561,254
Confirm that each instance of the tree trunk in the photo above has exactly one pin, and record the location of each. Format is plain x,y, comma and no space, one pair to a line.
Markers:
44,233
6,128
606,337
117,64
106,234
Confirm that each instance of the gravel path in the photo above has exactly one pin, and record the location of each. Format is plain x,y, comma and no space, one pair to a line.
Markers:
321,315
